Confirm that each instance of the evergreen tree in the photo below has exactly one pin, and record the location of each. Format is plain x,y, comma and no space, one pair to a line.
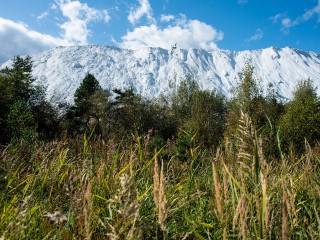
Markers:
20,123
127,111
82,117
19,77
87,88
17,93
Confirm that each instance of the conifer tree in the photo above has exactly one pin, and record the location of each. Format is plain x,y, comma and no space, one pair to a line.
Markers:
87,88
17,93
127,110
81,118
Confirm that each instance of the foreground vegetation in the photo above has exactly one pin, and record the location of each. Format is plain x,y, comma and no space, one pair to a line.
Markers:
192,165
84,189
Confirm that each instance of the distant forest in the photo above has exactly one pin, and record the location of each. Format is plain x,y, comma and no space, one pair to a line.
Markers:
206,117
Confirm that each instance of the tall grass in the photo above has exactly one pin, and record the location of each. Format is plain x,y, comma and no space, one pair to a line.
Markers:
89,189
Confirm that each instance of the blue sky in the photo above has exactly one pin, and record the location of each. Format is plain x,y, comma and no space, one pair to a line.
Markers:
29,27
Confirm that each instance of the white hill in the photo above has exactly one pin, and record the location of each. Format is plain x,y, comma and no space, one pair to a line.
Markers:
152,71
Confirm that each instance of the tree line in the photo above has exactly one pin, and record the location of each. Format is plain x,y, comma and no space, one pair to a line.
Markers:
190,116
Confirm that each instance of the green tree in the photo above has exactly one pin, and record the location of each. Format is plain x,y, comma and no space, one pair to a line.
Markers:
87,88
301,120
20,123
248,90
20,78
17,89
47,120
127,111
208,115
248,99
99,112
181,100
87,112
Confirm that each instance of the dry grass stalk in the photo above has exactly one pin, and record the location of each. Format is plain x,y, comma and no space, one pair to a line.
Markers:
257,202
263,162
245,130
243,217
87,209
225,186
236,216
265,205
159,193
162,199
221,157
156,183
285,222
131,161
243,181
217,191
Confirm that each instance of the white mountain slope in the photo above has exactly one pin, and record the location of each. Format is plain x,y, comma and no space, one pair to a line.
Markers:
152,71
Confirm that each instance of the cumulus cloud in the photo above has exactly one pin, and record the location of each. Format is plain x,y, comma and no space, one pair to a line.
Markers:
186,33
79,15
143,10
257,36
288,22
19,39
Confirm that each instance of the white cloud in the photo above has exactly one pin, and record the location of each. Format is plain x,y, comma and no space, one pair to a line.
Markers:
18,39
79,15
278,17
187,34
257,36
288,23
43,15
143,10
310,13
54,7
166,18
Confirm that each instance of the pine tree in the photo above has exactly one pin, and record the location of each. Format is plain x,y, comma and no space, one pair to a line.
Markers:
18,96
19,76
89,97
87,88
20,123
127,110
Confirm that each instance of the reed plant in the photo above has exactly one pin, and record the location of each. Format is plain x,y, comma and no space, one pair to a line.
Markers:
90,189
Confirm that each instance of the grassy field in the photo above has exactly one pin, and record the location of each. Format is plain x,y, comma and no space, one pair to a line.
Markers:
90,189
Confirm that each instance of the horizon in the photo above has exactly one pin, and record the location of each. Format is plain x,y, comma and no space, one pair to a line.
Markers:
239,25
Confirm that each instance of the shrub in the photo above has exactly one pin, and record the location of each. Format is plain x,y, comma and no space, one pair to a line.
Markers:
301,120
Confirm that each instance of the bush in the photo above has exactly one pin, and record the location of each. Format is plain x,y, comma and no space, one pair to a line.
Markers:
301,120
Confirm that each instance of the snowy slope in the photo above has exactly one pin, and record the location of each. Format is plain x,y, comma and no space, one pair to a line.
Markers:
151,71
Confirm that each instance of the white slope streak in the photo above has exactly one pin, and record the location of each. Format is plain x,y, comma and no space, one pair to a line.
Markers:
152,71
